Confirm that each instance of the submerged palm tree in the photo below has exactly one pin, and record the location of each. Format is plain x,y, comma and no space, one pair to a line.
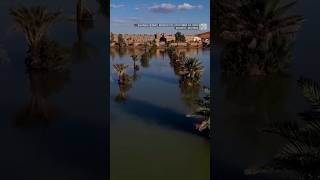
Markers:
203,111
259,35
301,155
121,71
135,60
145,59
34,22
192,71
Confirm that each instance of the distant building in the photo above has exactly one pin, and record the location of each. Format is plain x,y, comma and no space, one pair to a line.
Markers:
159,38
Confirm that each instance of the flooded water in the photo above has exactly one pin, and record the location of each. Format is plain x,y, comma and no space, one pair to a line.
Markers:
151,137
246,107
54,124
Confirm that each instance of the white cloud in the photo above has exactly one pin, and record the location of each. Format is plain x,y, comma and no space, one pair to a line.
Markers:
163,8
116,5
187,6
168,8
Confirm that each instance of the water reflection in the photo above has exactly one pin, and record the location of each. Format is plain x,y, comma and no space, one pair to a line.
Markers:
39,111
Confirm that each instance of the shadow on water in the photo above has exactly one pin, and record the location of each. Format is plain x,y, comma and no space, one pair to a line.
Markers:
160,78
162,116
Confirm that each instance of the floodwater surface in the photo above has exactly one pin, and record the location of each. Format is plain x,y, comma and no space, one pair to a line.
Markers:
151,137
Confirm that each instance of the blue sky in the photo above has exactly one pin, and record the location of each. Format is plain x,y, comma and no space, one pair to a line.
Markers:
125,13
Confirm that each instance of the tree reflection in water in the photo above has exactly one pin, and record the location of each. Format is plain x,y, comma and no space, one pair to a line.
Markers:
300,157
47,65
39,110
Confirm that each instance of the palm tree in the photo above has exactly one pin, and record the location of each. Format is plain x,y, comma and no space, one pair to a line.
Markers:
135,59
301,155
192,70
145,59
203,111
34,22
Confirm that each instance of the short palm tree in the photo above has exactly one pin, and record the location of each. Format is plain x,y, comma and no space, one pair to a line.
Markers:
121,71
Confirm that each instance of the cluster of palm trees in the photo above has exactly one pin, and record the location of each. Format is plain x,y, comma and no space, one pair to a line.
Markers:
258,35
301,155
124,80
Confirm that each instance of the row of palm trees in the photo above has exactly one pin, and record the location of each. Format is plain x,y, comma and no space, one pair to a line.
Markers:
258,35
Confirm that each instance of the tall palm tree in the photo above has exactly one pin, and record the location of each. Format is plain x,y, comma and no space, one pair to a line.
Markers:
260,34
34,22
